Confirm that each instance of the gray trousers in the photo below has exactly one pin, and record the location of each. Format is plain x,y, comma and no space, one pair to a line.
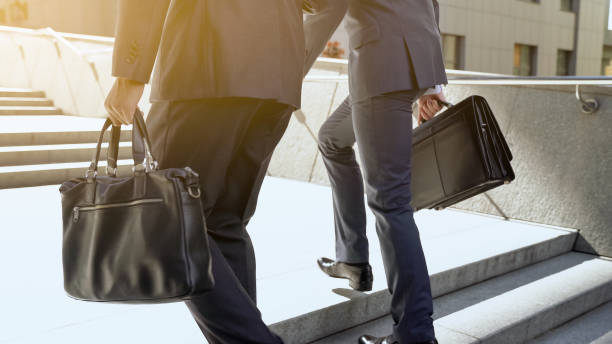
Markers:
229,143
382,128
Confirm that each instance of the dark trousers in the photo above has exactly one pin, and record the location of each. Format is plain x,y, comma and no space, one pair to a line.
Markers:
382,128
229,142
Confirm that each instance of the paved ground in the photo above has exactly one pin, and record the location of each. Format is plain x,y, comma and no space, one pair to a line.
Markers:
293,227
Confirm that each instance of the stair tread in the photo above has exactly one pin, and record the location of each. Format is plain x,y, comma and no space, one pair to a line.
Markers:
24,92
573,274
594,327
8,149
26,108
519,299
51,123
58,166
29,99
29,110
17,89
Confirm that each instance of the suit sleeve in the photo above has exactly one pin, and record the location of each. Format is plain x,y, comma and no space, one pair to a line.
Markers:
319,27
137,36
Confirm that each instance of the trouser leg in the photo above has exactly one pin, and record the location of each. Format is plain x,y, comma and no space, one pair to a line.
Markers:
227,314
383,128
206,135
336,141
231,213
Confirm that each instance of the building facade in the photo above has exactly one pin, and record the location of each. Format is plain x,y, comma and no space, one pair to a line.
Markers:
522,37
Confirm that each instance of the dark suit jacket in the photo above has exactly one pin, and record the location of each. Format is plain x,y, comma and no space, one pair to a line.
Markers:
394,45
212,48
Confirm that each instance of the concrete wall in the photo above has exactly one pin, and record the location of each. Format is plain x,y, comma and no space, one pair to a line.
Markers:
74,71
563,158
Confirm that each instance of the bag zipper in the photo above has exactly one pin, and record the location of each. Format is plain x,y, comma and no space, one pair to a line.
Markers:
76,211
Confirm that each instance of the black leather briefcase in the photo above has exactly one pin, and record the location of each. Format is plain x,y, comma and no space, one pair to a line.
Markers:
136,239
458,154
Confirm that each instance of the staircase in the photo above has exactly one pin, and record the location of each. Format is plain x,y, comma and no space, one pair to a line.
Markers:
493,281
41,146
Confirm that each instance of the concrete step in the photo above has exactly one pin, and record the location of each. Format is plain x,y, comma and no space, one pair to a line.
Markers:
29,110
594,327
25,101
49,174
293,222
51,154
515,307
51,130
20,92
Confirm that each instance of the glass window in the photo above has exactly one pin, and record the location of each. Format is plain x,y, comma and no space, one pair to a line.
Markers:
606,62
452,48
564,60
567,5
525,58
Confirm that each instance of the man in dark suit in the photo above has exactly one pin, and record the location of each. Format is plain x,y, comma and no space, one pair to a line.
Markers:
228,76
395,58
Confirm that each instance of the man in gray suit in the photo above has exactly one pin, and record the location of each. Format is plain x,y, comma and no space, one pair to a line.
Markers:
395,57
228,76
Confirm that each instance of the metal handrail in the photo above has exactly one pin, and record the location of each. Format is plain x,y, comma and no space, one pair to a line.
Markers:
588,105
497,80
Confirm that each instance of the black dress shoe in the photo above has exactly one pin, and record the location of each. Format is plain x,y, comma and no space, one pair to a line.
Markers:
359,275
366,339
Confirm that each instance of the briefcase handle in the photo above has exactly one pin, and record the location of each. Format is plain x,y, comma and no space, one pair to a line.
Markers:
141,148
442,103
445,103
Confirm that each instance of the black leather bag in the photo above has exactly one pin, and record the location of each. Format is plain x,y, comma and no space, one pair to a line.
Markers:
458,154
136,239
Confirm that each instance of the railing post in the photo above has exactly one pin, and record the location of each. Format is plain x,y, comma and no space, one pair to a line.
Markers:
588,106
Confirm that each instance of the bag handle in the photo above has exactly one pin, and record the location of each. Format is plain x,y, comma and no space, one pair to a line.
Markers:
141,145
445,103
144,161
112,153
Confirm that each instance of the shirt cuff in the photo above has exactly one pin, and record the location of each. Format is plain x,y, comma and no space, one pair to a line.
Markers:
433,90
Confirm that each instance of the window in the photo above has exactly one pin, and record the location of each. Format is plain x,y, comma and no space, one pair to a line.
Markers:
525,60
567,5
452,49
564,62
606,62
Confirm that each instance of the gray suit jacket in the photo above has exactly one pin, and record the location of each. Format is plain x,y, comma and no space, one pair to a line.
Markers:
209,49
393,44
